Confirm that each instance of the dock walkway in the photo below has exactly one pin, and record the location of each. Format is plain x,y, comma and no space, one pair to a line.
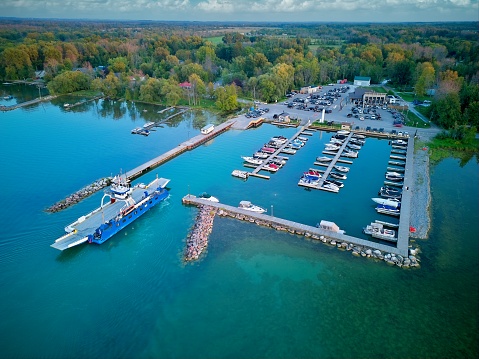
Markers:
27,103
277,152
299,228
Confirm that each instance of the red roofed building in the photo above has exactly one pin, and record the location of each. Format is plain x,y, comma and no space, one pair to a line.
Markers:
185,85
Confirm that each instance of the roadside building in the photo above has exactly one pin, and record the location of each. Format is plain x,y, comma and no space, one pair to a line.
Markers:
364,96
362,81
309,89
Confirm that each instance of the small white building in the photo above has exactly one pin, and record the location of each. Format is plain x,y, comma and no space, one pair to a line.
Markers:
362,81
309,89
207,129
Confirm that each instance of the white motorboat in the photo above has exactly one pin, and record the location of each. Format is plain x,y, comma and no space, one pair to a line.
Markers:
377,230
335,182
343,132
394,174
361,137
260,155
341,168
352,146
240,174
252,160
304,139
335,141
330,226
331,187
308,181
247,205
331,147
384,209
399,142
392,202
279,139
208,197
323,159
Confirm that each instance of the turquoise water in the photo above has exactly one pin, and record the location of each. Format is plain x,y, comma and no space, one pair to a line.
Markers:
256,293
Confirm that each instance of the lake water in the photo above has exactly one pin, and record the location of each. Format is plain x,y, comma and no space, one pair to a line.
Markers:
256,293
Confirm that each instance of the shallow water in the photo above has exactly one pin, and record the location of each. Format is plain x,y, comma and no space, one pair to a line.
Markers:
256,293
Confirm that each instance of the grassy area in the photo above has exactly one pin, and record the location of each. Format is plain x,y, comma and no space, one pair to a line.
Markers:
413,120
445,148
215,40
87,93
378,89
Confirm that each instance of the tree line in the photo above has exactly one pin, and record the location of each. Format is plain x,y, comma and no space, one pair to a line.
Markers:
147,61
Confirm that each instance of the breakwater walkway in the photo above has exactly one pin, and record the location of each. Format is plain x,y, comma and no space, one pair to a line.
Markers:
27,103
398,255
143,168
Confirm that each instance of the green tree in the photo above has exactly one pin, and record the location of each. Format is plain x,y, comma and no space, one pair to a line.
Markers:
425,78
69,81
447,111
226,98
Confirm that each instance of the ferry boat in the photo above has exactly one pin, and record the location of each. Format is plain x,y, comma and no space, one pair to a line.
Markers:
247,205
377,230
125,205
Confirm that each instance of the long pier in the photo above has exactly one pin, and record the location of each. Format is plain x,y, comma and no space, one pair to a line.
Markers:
303,229
182,147
27,103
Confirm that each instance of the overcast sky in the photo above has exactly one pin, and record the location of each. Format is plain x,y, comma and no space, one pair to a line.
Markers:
247,10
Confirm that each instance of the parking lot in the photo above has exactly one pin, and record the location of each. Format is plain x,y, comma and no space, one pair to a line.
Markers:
334,99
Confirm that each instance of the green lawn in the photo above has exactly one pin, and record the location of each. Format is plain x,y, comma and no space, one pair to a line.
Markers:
378,89
215,40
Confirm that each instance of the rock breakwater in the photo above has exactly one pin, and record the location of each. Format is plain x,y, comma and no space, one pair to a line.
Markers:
80,194
197,240
359,251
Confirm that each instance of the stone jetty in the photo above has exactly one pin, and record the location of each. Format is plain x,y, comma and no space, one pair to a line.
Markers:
197,240
80,194
409,261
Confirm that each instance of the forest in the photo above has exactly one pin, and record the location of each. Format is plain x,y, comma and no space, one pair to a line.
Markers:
220,62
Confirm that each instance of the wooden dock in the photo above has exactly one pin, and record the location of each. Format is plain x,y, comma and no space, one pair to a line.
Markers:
276,153
27,103
182,147
299,228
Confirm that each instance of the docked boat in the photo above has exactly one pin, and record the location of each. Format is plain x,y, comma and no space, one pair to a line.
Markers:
392,202
338,175
330,226
394,176
260,155
294,146
331,147
335,141
136,130
377,230
343,132
352,146
384,209
357,135
399,142
304,139
312,175
348,153
280,139
247,205
288,151
323,159
278,162
397,157
341,168
356,141
148,125
330,187
340,137
308,181
268,150
397,163
388,224
271,167
337,183
208,197
125,205
252,160
297,142
240,174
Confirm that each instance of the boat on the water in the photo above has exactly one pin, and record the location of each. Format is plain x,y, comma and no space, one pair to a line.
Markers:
125,205
323,159
394,176
341,168
390,192
260,155
393,202
208,197
331,147
247,205
330,226
352,146
271,167
337,183
308,180
268,150
343,132
252,160
357,135
338,175
397,157
240,174
387,224
330,187
399,142
377,230
384,209
348,153
335,141
280,139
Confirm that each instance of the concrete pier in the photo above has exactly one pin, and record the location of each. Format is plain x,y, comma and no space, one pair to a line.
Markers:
401,247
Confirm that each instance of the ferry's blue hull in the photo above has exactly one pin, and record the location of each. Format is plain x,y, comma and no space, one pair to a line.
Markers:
115,225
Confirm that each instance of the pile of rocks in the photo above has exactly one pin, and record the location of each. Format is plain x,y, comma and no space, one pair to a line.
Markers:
80,194
197,241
